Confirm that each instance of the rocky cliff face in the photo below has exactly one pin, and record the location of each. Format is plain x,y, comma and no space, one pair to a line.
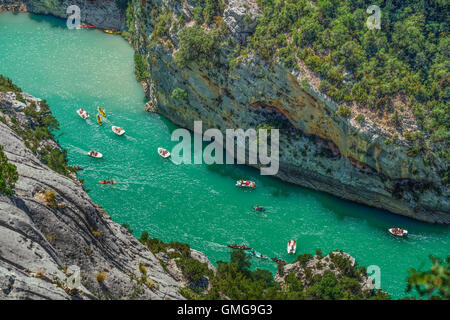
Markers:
318,148
100,13
51,224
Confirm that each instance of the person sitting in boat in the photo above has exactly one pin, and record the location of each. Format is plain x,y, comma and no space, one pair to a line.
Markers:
246,183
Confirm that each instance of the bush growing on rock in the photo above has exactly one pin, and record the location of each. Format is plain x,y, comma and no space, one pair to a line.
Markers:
179,94
195,45
140,65
101,277
344,111
8,174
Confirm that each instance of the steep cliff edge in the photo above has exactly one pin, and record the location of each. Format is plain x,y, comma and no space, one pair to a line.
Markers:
50,224
319,148
227,86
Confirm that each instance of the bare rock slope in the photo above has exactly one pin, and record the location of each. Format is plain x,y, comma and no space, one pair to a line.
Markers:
39,240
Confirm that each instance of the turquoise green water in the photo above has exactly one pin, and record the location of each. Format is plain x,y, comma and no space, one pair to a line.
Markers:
197,204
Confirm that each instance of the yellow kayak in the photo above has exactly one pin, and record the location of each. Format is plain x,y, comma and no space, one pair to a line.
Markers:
101,111
99,120
109,31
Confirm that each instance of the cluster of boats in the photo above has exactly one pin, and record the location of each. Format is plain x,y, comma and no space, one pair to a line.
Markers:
92,153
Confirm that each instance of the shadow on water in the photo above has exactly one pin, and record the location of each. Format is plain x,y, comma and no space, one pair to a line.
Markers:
51,21
376,218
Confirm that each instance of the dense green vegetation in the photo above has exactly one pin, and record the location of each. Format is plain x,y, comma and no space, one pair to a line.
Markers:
7,85
195,44
140,65
236,280
193,269
37,130
8,174
433,283
206,10
408,57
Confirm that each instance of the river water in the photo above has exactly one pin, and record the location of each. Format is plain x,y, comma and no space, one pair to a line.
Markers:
196,204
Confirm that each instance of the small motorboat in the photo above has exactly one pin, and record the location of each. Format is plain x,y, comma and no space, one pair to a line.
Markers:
163,153
236,246
83,113
245,184
117,130
99,119
258,208
101,111
292,246
112,31
398,232
277,260
107,182
95,154
257,254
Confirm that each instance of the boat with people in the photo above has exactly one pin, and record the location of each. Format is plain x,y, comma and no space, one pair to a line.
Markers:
259,208
99,119
107,182
277,260
257,255
95,154
163,153
101,111
76,168
246,184
240,247
118,130
83,113
292,246
398,232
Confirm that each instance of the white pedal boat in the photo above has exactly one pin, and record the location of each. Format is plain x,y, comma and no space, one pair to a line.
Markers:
95,154
292,246
117,130
398,232
163,153
83,114
245,184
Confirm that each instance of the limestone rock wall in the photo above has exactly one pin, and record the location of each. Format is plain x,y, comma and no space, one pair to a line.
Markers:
39,241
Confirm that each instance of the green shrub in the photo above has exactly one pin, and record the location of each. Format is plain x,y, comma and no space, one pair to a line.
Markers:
179,94
360,118
6,85
8,174
344,111
140,65
195,45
